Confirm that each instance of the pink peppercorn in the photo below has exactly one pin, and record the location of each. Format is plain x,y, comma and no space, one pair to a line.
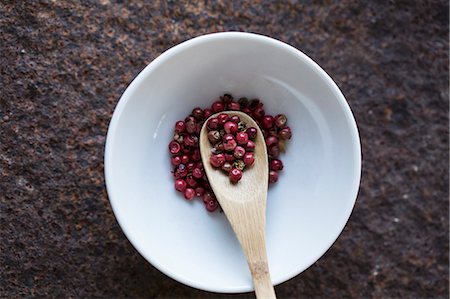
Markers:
236,119
197,173
199,191
276,165
229,158
239,152
175,160
174,147
217,160
222,118
273,176
285,133
180,185
230,127
280,120
241,138
217,106
207,113
180,126
208,196
250,146
271,140
213,123
184,159
191,181
258,113
234,106
211,205
189,193
267,122
251,132
235,175
229,145
248,159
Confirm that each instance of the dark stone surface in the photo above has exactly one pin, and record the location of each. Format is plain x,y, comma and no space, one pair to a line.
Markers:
64,64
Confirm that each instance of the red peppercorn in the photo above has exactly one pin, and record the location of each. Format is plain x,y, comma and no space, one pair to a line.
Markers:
197,173
272,132
227,137
191,124
213,123
235,175
227,98
248,159
258,113
196,155
246,110
239,152
243,102
230,127
274,151
280,121
276,165
190,140
217,160
184,159
208,196
180,172
180,185
227,167
236,119
267,122
180,126
254,103
199,191
285,133
207,113
273,176
198,127
229,158
191,181
241,138
190,166
234,106
174,147
271,140
229,145
211,205
214,136
222,118
197,113
189,193
250,146
217,106
219,148
252,132
175,160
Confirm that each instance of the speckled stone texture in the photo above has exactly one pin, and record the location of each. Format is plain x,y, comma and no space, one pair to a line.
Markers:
64,65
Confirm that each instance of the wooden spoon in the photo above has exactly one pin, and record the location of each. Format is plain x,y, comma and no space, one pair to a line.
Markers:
244,204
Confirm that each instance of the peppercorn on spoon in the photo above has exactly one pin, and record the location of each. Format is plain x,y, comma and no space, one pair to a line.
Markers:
244,204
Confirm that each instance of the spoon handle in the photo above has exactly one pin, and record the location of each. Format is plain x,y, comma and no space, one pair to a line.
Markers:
261,280
249,226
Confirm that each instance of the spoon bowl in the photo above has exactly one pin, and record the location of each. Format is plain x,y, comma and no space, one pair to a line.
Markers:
244,204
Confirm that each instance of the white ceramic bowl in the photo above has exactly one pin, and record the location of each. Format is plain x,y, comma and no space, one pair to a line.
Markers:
306,210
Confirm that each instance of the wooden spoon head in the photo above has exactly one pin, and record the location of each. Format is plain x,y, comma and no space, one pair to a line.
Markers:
254,182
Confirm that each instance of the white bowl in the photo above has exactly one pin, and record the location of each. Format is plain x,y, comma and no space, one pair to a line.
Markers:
306,210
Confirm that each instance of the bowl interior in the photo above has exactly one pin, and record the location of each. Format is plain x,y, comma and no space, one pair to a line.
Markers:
306,209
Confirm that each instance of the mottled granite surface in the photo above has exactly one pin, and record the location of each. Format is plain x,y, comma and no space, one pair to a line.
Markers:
64,64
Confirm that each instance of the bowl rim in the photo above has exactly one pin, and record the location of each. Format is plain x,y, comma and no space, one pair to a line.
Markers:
166,55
